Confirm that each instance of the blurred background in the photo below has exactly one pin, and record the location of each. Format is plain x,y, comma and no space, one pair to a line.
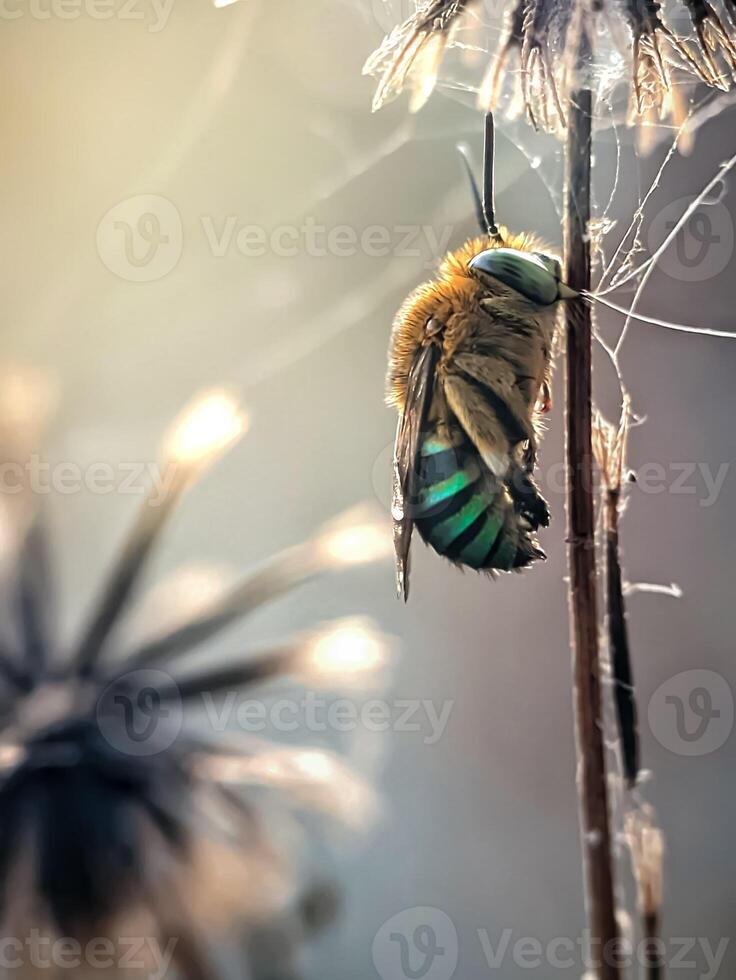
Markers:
194,197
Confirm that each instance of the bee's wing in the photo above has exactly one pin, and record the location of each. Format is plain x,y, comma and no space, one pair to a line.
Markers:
406,449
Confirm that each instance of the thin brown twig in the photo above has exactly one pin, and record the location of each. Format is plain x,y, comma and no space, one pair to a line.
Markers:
592,784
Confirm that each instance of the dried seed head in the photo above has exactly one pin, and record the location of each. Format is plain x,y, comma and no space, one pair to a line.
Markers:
546,35
412,52
91,733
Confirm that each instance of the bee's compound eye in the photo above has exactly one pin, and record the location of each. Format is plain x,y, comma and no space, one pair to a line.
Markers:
526,272
550,262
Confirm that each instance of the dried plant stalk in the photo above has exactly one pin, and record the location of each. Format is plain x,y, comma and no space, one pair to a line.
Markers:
592,785
609,447
646,846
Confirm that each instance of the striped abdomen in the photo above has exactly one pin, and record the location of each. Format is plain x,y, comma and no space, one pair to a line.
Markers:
463,511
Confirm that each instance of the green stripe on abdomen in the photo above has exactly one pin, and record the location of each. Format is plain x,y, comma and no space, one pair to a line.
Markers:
456,511
443,534
476,553
434,494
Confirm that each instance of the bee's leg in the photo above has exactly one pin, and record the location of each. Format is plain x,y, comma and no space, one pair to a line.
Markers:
545,398
480,422
528,501
529,456
504,396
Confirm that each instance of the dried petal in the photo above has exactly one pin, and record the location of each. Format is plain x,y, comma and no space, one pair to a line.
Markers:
413,51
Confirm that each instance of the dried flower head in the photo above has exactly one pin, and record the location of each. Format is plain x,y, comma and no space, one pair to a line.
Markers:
120,811
545,36
412,53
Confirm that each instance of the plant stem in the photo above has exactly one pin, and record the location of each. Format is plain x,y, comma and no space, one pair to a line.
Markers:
654,969
592,786
618,642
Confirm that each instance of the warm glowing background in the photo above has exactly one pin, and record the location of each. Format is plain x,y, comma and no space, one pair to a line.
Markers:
258,111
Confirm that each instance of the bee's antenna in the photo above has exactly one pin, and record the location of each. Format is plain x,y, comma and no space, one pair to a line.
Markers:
484,208
489,211
477,202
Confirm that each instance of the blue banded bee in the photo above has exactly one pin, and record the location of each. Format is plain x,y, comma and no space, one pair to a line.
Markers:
469,373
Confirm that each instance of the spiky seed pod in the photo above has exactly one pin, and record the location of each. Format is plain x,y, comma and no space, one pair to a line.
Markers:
117,816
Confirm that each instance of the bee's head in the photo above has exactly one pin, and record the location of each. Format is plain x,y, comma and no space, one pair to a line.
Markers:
534,275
